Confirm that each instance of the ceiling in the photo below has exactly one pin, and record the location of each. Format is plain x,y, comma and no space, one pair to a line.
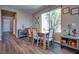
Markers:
28,8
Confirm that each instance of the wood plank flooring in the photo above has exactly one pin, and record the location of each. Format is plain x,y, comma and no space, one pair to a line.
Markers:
12,45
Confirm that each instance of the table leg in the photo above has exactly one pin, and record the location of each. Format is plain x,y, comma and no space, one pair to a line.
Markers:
44,44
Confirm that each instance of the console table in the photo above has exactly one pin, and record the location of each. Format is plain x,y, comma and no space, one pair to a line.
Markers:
22,33
70,41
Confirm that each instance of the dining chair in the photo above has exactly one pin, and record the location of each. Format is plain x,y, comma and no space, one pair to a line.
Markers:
50,39
29,34
35,36
46,40
42,40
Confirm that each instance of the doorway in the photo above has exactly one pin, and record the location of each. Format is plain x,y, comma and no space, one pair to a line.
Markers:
8,23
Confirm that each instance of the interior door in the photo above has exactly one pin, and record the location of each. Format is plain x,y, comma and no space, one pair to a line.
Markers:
7,24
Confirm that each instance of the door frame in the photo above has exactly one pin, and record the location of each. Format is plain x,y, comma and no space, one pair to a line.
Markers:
14,18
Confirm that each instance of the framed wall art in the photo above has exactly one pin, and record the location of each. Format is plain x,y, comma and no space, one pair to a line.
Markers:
36,20
66,10
75,11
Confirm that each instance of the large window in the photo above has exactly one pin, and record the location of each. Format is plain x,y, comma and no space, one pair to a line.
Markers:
51,21
45,22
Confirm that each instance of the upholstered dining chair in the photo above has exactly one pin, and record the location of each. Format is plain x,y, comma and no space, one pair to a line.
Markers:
50,39
42,38
29,34
46,39
35,36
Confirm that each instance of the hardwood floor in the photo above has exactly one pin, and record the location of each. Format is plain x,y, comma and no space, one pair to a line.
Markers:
12,45
18,46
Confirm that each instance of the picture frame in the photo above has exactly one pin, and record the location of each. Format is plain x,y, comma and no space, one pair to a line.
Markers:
75,11
36,20
66,10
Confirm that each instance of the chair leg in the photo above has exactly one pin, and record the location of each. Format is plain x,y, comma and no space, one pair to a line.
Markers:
37,42
48,44
44,44
33,42
40,42
28,38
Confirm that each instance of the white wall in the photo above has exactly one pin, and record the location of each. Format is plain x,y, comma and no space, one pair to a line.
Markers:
69,19
22,18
